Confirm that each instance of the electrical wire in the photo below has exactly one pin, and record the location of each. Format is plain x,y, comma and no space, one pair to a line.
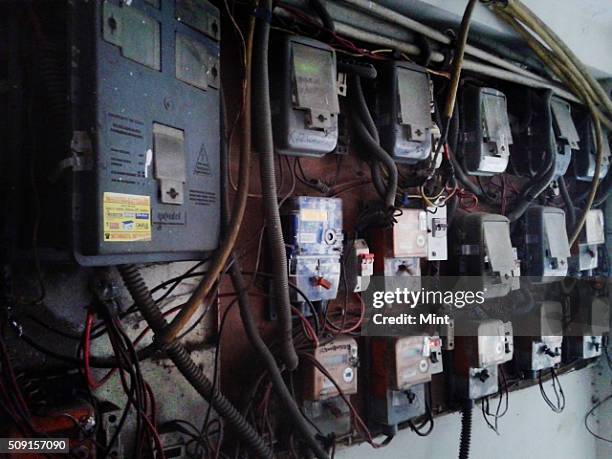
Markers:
559,404
227,244
590,413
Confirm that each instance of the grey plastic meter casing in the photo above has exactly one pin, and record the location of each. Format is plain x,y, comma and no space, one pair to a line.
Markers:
486,131
403,108
304,96
584,163
485,252
543,246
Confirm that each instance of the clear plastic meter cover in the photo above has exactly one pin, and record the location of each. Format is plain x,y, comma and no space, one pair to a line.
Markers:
315,78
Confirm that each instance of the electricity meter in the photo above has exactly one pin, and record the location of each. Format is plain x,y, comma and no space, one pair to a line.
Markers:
591,236
479,350
340,359
534,135
404,104
400,369
543,244
486,137
304,96
543,349
313,236
402,362
584,164
485,252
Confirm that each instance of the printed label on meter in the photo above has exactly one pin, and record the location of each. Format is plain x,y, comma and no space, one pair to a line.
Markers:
127,217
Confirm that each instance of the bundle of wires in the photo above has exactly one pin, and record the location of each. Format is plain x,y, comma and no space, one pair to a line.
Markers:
12,401
139,395
503,394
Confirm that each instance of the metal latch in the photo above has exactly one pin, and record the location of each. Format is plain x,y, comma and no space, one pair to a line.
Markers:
170,168
414,103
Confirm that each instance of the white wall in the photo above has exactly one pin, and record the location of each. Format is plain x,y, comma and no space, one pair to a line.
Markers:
529,429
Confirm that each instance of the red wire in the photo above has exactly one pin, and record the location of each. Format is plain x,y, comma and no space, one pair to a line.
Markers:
89,378
309,330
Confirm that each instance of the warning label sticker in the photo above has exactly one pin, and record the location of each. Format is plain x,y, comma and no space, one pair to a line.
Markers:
127,217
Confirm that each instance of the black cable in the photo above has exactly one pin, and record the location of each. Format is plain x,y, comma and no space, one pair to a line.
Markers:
323,14
216,362
536,186
365,130
466,430
361,70
192,372
429,418
264,145
590,412
559,405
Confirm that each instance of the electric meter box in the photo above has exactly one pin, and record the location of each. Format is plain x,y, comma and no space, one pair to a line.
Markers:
407,238
543,246
486,131
396,407
544,349
534,132
584,164
403,107
481,347
145,130
312,228
582,347
485,252
401,362
340,358
304,96
591,236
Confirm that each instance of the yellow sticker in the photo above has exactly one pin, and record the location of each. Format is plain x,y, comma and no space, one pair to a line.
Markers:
127,217
313,215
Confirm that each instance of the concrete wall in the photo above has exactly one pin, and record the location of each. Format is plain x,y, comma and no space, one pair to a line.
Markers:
529,430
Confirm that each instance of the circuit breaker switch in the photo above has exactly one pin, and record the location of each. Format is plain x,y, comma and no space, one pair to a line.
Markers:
170,168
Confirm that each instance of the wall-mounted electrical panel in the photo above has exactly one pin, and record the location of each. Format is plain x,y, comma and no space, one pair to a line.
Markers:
359,265
543,350
535,133
404,102
145,131
485,252
304,96
584,164
340,359
486,131
478,352
543,244
592,235
400,368
313,235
